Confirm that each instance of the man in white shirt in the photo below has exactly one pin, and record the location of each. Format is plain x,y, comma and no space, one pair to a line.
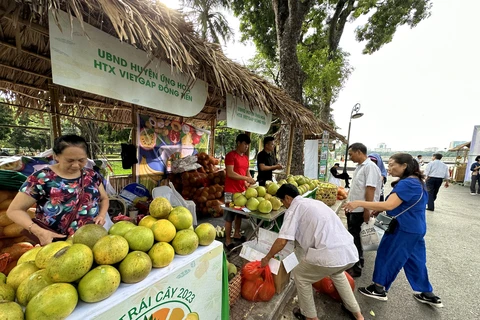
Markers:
366,186
435,172
324,248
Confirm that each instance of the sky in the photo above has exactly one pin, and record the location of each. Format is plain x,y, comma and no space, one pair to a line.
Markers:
419,91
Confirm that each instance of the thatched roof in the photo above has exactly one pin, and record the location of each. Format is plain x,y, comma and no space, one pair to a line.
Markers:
25,68
463,146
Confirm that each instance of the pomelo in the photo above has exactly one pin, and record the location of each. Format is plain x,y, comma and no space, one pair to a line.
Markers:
135,267
236,195
147,221
29,255
140,238
240,201
20,272
252,204
7,293
161,254
3,277
160,208
164,230
32,285
185,242
122,227
11,310
98,284
251,193
70,263
110,249
89,234
265,206
273,188
261,191
54,302
260,199
181,218
268,196
48,251
276,203
206,233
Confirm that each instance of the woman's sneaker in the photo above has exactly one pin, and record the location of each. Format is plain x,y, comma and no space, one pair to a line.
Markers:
433,301
372,292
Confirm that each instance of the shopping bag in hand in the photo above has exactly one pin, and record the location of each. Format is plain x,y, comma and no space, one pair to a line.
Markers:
257,282
370,236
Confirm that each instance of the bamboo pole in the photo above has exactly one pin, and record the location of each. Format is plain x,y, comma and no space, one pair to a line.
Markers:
134,139
211,150
290,149
54,116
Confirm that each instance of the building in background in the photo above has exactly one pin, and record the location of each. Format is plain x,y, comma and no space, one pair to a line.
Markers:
382,147
431,149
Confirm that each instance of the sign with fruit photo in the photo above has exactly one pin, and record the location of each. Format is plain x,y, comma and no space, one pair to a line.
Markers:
163,141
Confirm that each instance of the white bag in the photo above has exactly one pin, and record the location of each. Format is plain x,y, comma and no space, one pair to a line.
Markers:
370,235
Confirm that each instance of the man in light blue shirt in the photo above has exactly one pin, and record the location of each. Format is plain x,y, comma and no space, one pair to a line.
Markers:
436,171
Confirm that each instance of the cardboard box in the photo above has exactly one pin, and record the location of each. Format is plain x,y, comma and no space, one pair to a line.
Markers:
287,260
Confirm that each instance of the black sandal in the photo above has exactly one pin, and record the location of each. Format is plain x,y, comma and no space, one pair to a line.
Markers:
298,314
230,246
242,239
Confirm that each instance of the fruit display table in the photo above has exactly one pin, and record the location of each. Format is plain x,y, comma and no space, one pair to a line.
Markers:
192,287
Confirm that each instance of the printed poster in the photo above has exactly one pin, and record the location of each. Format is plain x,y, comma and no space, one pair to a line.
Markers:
161,142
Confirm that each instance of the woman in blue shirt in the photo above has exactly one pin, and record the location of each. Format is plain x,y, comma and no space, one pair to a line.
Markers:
405,247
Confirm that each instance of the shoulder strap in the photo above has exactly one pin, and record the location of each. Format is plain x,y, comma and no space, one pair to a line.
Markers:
413,205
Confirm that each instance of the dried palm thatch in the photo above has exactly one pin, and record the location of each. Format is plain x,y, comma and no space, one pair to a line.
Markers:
25,67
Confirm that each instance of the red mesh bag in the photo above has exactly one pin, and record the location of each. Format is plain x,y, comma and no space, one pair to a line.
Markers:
326,286
257,282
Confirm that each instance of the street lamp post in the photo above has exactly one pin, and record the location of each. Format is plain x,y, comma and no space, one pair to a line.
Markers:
353,115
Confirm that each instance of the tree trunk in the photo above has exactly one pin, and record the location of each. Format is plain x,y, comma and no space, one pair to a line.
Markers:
289,17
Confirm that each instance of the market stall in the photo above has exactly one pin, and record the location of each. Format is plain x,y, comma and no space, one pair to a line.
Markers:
141,66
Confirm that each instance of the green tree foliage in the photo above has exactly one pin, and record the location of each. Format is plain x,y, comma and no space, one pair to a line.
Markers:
209,23
306,35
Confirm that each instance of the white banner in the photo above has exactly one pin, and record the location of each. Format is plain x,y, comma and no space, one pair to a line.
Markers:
311,159
240,116
190,284
95,62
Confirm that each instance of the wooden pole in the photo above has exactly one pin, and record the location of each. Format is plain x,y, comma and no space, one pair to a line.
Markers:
134,140
211,148
54,117
290,150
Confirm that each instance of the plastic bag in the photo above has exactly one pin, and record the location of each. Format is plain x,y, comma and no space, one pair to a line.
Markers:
369,236
326,286
257,282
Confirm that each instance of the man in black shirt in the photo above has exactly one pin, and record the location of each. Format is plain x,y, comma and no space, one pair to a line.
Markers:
266,161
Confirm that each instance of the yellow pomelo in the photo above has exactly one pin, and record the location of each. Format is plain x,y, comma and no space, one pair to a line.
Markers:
121,227
11,310
161,254
48,251
110,249
7,293
140,238
20,273
147,221
54,302
206,233
99,284
70,263
135,267
181,218
164,230
160,208
30,255
185,242
89,234
32,285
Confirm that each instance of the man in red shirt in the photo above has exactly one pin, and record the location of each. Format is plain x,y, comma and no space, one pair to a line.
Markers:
238,178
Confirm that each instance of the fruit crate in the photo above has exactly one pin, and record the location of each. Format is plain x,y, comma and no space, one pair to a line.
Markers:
234,289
